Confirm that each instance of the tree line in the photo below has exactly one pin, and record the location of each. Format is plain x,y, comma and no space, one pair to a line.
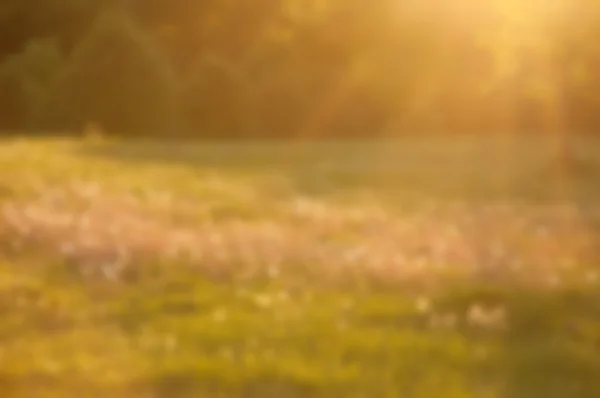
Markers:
297,68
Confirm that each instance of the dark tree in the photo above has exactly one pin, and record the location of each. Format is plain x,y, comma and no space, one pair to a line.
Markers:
118,79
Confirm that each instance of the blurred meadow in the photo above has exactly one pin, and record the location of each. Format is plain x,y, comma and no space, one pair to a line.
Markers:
300,198
145,269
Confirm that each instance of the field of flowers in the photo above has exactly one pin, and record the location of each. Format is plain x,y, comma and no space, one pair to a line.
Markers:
418,269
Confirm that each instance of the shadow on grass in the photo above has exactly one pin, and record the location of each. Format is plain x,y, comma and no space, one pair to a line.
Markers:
308,168
472,168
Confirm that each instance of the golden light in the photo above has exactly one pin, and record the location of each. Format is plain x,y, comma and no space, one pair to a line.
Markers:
533,13
520,16
496,54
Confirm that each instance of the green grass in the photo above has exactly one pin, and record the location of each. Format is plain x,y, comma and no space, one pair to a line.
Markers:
273,306
182,334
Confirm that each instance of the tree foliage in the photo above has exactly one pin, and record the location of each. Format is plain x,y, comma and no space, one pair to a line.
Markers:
119,79
25,78
292,65
216,101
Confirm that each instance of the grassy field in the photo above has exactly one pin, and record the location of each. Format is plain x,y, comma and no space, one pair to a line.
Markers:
450,268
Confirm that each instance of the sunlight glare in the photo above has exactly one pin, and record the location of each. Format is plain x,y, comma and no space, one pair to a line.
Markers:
534,14
520,15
